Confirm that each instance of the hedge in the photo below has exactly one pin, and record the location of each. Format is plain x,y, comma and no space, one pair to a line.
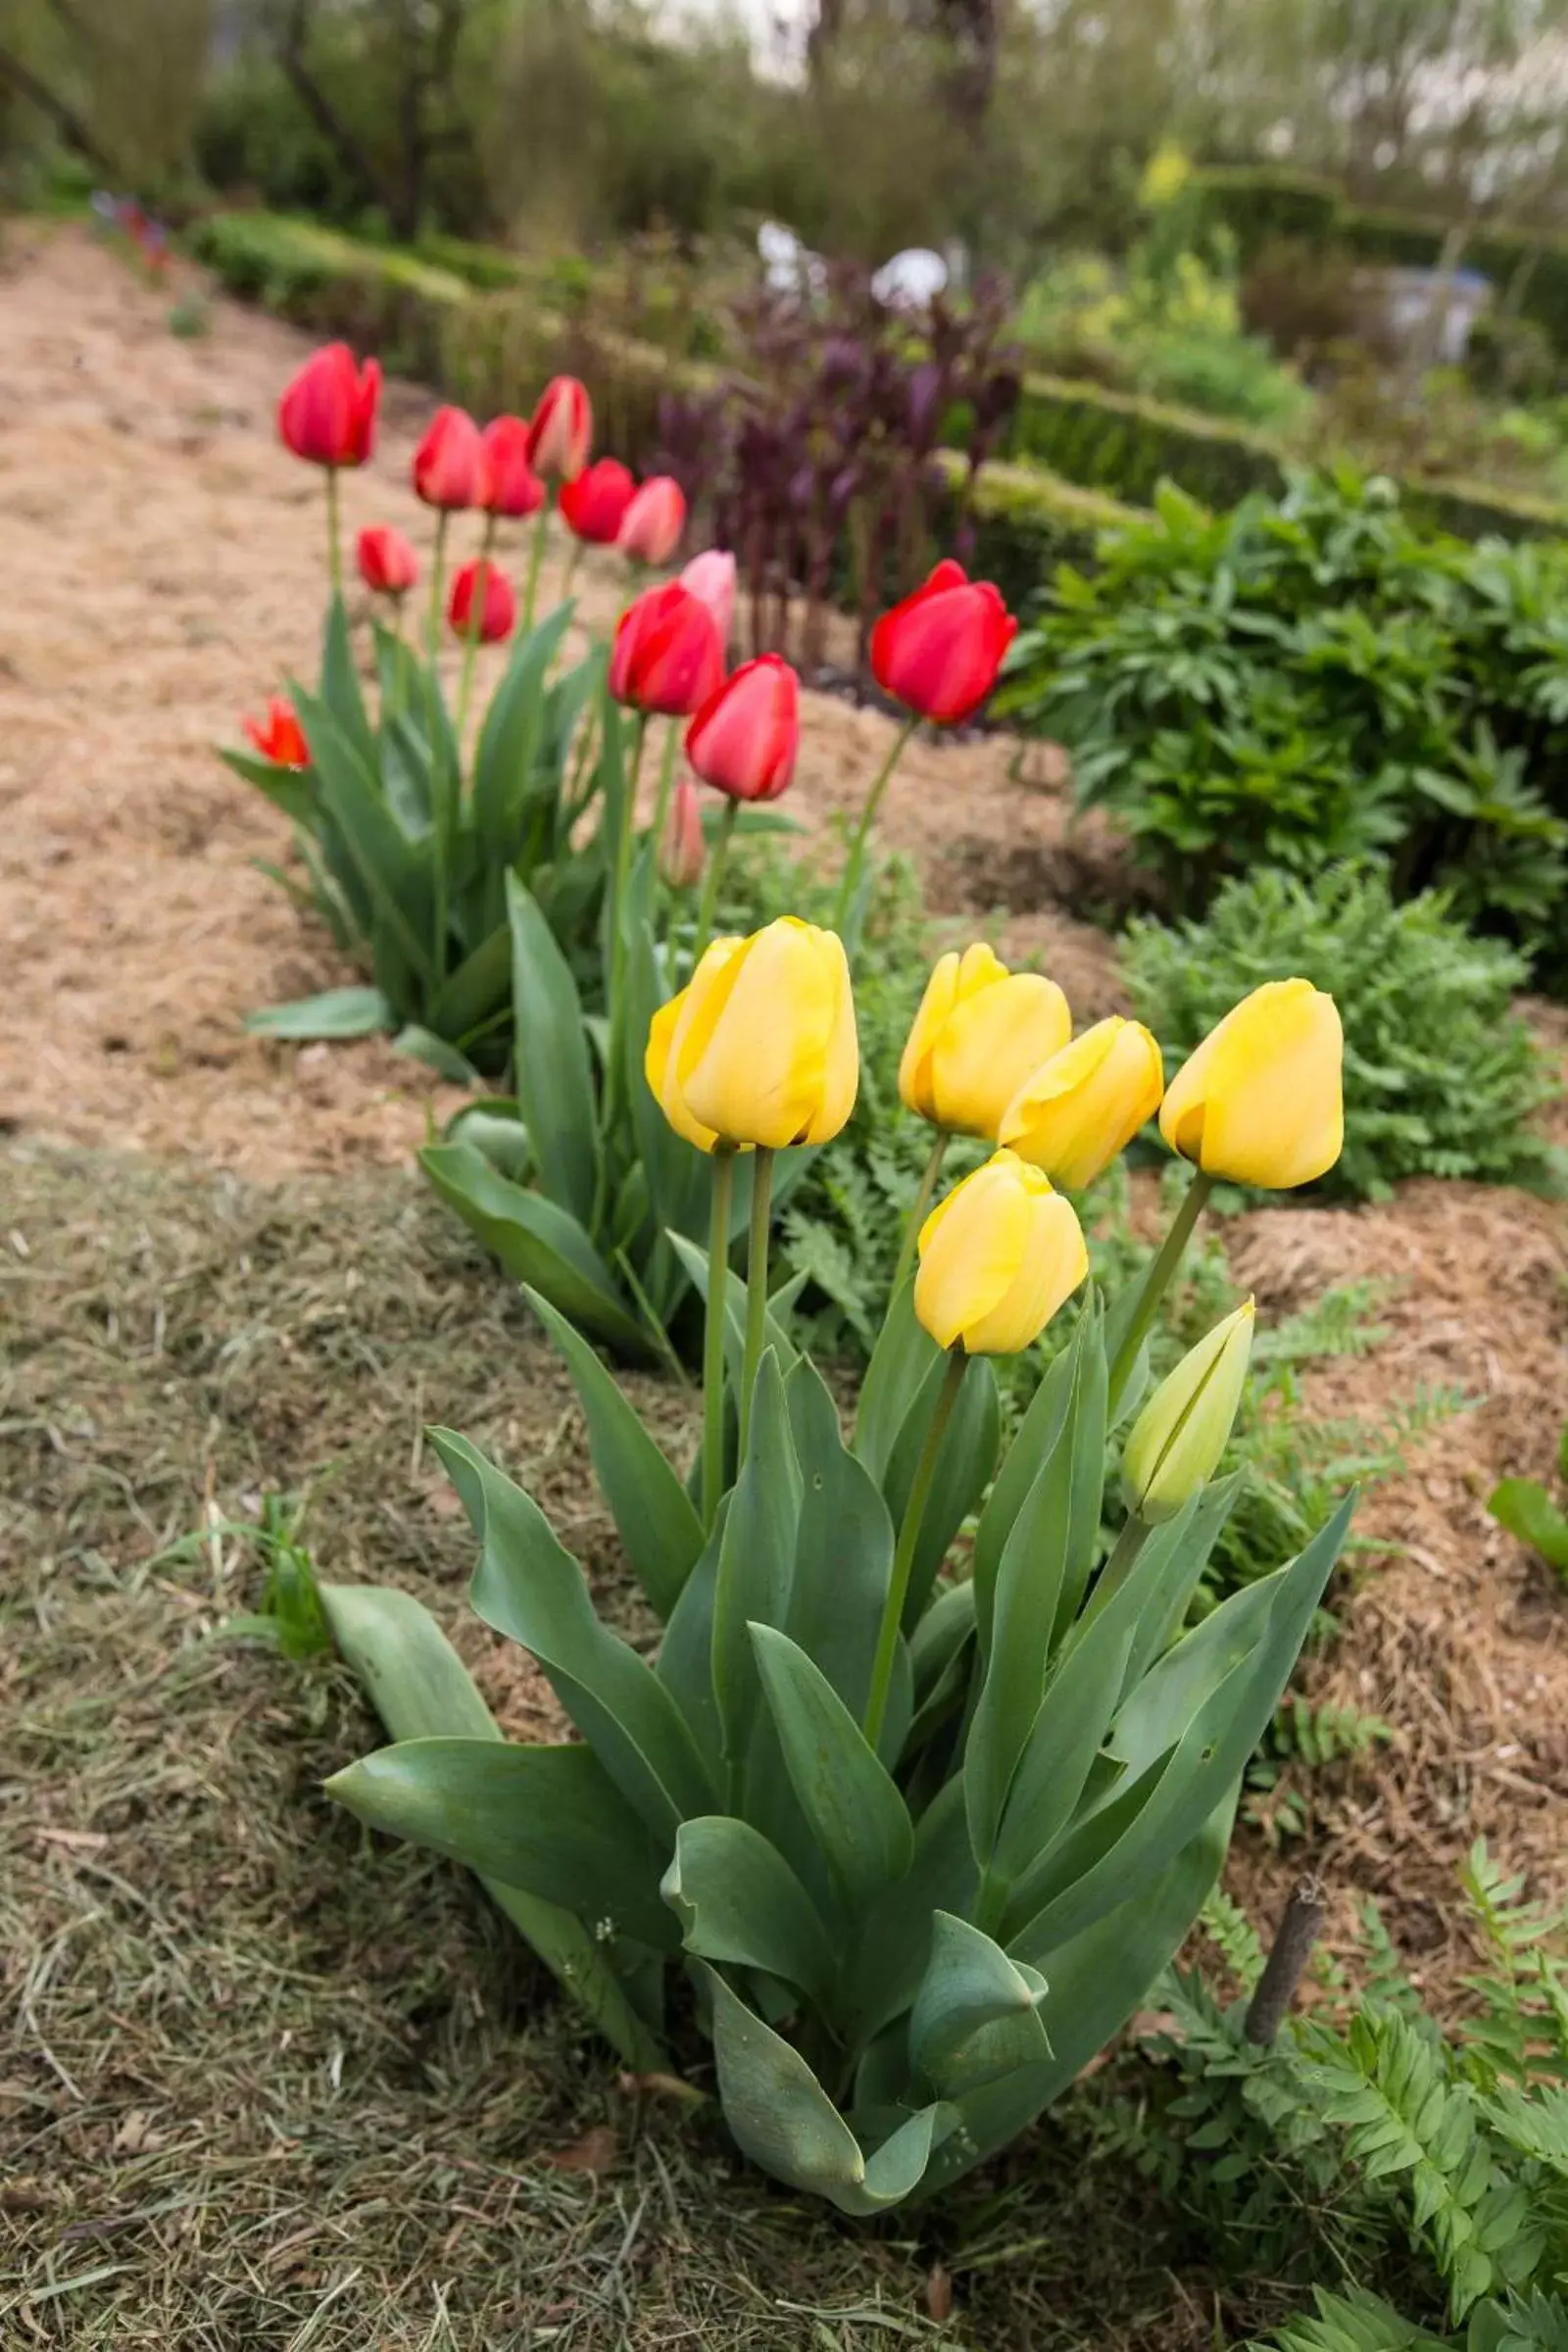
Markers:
1257,206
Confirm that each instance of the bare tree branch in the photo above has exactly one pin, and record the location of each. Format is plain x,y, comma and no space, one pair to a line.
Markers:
66,120
324,113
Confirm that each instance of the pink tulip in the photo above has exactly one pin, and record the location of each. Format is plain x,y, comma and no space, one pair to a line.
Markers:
710,579
651,525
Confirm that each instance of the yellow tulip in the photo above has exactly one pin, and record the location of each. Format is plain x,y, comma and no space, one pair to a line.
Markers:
997,1257
1262,1101
1073,1116
1178,1438
979,1032
759,1047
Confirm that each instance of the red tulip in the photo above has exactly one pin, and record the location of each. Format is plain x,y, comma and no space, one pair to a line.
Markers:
938,652
666,655
562,429
651,525
387,562
328,413
498,607
594,506
514,487
680,853
450,469
279,737
744,739
710,577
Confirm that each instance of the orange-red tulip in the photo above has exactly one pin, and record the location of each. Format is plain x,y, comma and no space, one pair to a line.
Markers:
279,737
594,505
666,655
485,587
745,737
387,562
511,487
563,430
938,652
328,413
449,465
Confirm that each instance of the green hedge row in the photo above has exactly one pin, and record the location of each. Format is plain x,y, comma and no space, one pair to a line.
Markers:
1123,443
428,316
1257,206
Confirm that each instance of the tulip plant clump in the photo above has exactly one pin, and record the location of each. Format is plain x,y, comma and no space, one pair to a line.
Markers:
919,1825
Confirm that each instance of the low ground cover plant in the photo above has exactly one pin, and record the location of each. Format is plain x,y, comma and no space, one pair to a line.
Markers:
1442,1077
1313,679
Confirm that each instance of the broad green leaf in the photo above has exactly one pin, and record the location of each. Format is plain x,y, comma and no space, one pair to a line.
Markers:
685,1661
421,1690
529,1586
1158,1708
550,1061
548,1820
509,740
651,1510
780,2116
860,1821
694,1257
1033,1445
964,1467
493,1124
340,681
1098,1981
844,1557
891,1952
337,1012
421,1045
977,2013
1187,1541
471,997
287,788
537,1242
1064,1737
738,1902
1044,1568
393,872
756,1559
1527,1511
900,1362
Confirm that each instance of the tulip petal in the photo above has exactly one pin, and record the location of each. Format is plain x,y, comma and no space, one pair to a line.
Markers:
995,1035
1075,1113
915,1067
1260,1100
968,1262
748,1073
1054,1260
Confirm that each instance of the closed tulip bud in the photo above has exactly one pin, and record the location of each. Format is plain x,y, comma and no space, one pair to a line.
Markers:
759,1047
449,465
745,738
680,853
979,1033
562,432
666,655
482,602
1178,1438
1086,1104
938,652
511,486
387,562
710,579
279,737
1261,1101
593,505
651,525
997,1257
327,413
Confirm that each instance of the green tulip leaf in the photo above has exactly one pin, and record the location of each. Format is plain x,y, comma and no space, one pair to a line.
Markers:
421,1690
1184,1546
550,1061
1527,1511
340,681
506,762
902,1361
738,1902
651,1510
470,997
392,872
843,1558
780,2116
422,1045
756,1559
529,1586
548,1820
287,788
1035,1442
860,1820
963,1469
977,2013
337,1012
685,1662
694,1257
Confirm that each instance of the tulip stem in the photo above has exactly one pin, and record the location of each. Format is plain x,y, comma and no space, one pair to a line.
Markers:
536,557
713,1333
849,881
432,627
755,1284
887,1640
929,1179
471,634
620,887
667,779
1156,1281
334,545
708,903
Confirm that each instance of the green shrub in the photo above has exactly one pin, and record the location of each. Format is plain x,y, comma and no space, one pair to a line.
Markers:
1316,678
1440,1075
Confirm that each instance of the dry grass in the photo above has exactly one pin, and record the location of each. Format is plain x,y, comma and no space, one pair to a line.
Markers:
271,2083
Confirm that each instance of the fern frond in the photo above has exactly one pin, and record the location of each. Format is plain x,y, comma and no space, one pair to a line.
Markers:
1355,2322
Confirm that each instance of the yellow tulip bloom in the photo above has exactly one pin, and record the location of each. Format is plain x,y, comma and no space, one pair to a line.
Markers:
759,1047
1262,1101
979,1032
997,1257
1073,1116
1178,1438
